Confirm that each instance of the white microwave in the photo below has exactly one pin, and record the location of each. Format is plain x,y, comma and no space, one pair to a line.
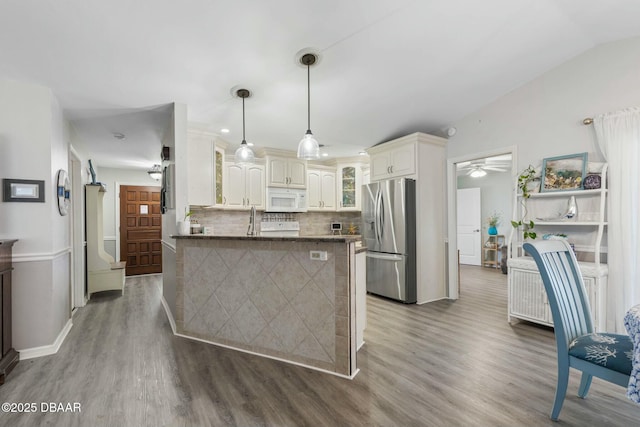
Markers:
286,200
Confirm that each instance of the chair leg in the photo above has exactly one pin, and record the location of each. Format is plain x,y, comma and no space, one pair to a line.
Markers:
561,389
585,382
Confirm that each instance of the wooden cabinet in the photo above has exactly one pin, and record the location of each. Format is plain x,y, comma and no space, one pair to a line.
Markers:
243,186
10,356
349,187
585,231
321,190
394,162
286,172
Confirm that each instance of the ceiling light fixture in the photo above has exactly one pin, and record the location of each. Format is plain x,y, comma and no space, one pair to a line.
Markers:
224,130
308,148
244,154
155,172
477,173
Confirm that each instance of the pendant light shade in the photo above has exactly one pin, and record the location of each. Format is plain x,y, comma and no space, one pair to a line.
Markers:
308,148
155,172
244,154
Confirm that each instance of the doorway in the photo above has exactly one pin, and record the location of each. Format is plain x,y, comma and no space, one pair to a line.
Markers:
140,229
493,173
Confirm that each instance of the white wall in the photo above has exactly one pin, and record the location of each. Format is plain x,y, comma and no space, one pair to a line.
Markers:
176,139
34,145
544,117
495,196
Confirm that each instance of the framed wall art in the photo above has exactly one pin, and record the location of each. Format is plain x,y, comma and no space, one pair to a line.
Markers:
22,190
564,173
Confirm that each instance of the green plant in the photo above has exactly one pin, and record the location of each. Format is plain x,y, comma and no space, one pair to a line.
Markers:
525,177
494,219
187,214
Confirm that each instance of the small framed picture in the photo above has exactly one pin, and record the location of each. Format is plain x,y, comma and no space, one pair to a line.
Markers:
564,173
22,190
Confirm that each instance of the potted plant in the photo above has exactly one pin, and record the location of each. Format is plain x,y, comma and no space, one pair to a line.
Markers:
493,220
184,226
525,179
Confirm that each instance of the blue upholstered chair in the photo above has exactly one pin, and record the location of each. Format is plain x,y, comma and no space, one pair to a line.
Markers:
606,356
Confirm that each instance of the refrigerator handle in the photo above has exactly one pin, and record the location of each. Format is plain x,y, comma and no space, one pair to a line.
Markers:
381,214
378,213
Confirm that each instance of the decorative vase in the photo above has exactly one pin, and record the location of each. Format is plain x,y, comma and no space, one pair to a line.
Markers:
572,208
184,228
492,231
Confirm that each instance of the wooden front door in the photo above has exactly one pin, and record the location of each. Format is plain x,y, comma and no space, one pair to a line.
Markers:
140,229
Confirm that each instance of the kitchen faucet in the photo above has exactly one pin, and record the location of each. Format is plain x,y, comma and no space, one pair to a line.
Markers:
251,231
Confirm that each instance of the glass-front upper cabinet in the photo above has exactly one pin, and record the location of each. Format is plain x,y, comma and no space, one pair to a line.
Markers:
219,167
349,183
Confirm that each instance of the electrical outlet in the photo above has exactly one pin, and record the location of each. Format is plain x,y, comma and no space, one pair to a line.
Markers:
318,255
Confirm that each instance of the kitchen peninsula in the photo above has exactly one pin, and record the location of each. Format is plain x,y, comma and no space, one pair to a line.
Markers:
287,298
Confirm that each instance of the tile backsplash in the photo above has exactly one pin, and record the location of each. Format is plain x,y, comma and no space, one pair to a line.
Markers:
226,222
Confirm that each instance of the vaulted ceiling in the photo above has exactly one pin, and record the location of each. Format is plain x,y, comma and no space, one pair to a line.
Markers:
387,67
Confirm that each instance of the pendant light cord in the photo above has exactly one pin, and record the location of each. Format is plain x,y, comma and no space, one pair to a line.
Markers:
308,100
244,141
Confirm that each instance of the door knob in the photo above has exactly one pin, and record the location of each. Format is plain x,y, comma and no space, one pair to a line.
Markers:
476,231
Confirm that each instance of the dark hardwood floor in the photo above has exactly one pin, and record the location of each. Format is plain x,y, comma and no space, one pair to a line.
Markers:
441,364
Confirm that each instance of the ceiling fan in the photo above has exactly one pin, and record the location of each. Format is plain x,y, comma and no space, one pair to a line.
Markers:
479,168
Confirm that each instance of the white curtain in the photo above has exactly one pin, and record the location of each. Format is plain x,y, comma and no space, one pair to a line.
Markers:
618,135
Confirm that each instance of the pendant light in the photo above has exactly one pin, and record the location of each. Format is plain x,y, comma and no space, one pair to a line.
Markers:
155,172
244,154
308,148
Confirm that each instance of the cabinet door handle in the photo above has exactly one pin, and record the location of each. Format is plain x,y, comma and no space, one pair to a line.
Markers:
391,167
224,200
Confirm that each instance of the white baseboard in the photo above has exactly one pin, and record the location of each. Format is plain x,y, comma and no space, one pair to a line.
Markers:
169,315
46,350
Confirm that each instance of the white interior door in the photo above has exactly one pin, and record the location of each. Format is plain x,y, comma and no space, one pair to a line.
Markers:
469,225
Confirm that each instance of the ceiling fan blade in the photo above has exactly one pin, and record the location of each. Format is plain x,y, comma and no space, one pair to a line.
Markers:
494,168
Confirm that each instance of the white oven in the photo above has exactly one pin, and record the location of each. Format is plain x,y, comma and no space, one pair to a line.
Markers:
286,200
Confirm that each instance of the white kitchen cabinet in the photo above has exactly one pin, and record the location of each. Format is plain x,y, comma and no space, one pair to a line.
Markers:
286,172
349,187
243,186
398,161
586,231
200,157
205,158
321,190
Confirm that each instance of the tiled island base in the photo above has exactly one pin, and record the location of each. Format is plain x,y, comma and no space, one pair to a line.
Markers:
269,297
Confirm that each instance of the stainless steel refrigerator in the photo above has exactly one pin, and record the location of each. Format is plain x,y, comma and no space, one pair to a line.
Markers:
389,232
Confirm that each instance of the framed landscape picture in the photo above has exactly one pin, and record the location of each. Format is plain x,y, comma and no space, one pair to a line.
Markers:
564,173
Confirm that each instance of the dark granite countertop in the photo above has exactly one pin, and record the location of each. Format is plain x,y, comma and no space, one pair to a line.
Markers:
346,238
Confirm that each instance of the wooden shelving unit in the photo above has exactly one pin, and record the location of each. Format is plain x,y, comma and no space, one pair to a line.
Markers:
491,251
